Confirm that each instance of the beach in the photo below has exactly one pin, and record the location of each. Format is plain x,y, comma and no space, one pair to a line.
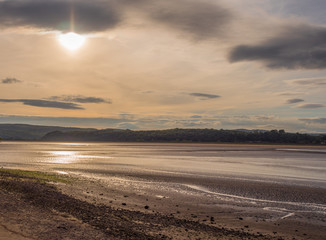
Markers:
181,201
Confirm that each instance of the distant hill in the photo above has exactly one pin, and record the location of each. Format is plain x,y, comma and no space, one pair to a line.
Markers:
31,132
63,134
186,135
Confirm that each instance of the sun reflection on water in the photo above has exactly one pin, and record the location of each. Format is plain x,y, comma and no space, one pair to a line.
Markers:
63,157
66,157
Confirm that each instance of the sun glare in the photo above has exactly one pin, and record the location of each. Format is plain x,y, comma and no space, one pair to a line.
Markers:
71,41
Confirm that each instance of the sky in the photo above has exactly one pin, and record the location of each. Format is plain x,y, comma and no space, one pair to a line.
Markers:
223,64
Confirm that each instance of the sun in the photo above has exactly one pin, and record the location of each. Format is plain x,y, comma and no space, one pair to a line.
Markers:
72,41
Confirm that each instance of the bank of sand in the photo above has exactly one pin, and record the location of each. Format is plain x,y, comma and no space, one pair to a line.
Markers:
88,208
7,234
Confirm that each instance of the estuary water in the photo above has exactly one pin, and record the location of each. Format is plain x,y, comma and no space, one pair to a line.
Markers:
290,179
299,165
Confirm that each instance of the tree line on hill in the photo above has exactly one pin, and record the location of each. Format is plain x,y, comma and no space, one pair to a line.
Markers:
31,132
186,135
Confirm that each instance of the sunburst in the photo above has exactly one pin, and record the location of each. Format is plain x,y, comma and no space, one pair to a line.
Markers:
72,41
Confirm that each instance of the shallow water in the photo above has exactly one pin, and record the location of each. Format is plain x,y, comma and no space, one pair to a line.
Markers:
293,165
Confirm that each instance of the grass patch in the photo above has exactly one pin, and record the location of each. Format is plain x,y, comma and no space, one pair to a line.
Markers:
32,175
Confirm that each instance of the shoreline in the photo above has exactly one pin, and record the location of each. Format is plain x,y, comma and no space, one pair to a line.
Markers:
169,217
38,198
222,144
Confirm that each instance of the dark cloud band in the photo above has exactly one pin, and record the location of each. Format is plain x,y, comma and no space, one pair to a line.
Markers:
311,82
199,19
205,95
44,103
312,106
80,99
89,16
294,100
302,47
10,81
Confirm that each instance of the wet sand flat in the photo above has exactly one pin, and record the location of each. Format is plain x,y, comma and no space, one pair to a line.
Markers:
249,206
37,210
273,191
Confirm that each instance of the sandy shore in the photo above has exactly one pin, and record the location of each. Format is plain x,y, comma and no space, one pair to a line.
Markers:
7,234
91,209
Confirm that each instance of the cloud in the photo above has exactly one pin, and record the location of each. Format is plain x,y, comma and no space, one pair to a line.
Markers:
312,10
90,16
311,81
312,106
201,19
300,47
314,120
294,100
10,81
288,94
44,103
204,95
80,99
